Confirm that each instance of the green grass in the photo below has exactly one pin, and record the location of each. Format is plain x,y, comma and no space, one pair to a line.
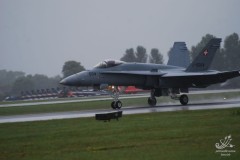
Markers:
168,135
105,104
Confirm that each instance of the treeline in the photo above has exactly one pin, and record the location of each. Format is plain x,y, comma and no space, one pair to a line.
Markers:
141,56
12,83
227,58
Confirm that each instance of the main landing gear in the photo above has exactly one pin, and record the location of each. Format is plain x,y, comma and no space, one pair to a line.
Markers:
152,99
183,98
116,104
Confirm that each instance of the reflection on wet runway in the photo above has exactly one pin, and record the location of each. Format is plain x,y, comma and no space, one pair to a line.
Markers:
168,107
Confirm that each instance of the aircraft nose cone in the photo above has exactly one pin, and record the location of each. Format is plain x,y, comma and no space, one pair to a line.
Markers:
68,81
78,79
63,81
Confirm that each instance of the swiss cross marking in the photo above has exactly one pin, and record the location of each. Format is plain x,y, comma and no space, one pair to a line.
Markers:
205,52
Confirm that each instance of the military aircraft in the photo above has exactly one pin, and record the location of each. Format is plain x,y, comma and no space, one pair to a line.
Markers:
162,80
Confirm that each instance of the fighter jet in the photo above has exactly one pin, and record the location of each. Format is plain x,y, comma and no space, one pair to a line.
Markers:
161,80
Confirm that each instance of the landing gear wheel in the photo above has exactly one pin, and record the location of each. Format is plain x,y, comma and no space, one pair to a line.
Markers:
116,105
184,99
113,105
152,101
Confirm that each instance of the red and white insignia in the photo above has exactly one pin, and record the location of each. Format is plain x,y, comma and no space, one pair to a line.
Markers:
205,52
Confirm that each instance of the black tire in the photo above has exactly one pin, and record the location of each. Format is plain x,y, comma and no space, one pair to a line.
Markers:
118,105
152,101
113,105
184,99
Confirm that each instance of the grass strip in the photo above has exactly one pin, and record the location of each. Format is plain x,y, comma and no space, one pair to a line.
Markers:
167,135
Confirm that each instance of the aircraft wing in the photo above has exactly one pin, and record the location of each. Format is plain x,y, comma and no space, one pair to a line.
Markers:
146,73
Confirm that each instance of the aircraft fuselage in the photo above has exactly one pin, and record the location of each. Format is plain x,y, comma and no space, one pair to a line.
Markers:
145,76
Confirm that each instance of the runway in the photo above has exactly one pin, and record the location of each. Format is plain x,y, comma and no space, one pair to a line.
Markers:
234,103
94,98
59,101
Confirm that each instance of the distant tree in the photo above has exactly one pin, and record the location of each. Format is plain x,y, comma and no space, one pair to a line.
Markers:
42,82
228,57
71,67
232,52
155,56
141,55
22,84
129,56
12,83
219,60
8,77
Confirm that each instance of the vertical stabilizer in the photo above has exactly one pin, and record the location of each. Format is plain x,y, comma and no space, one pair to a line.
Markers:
204,59
179,55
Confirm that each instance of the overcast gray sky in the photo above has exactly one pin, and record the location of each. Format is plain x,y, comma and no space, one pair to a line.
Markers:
38,36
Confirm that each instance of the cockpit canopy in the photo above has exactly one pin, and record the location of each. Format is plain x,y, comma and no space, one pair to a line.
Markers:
108,63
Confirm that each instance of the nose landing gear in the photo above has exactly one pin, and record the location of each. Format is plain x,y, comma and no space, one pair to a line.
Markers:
116,104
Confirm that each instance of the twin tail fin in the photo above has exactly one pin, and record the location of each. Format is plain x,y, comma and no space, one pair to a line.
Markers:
204,59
